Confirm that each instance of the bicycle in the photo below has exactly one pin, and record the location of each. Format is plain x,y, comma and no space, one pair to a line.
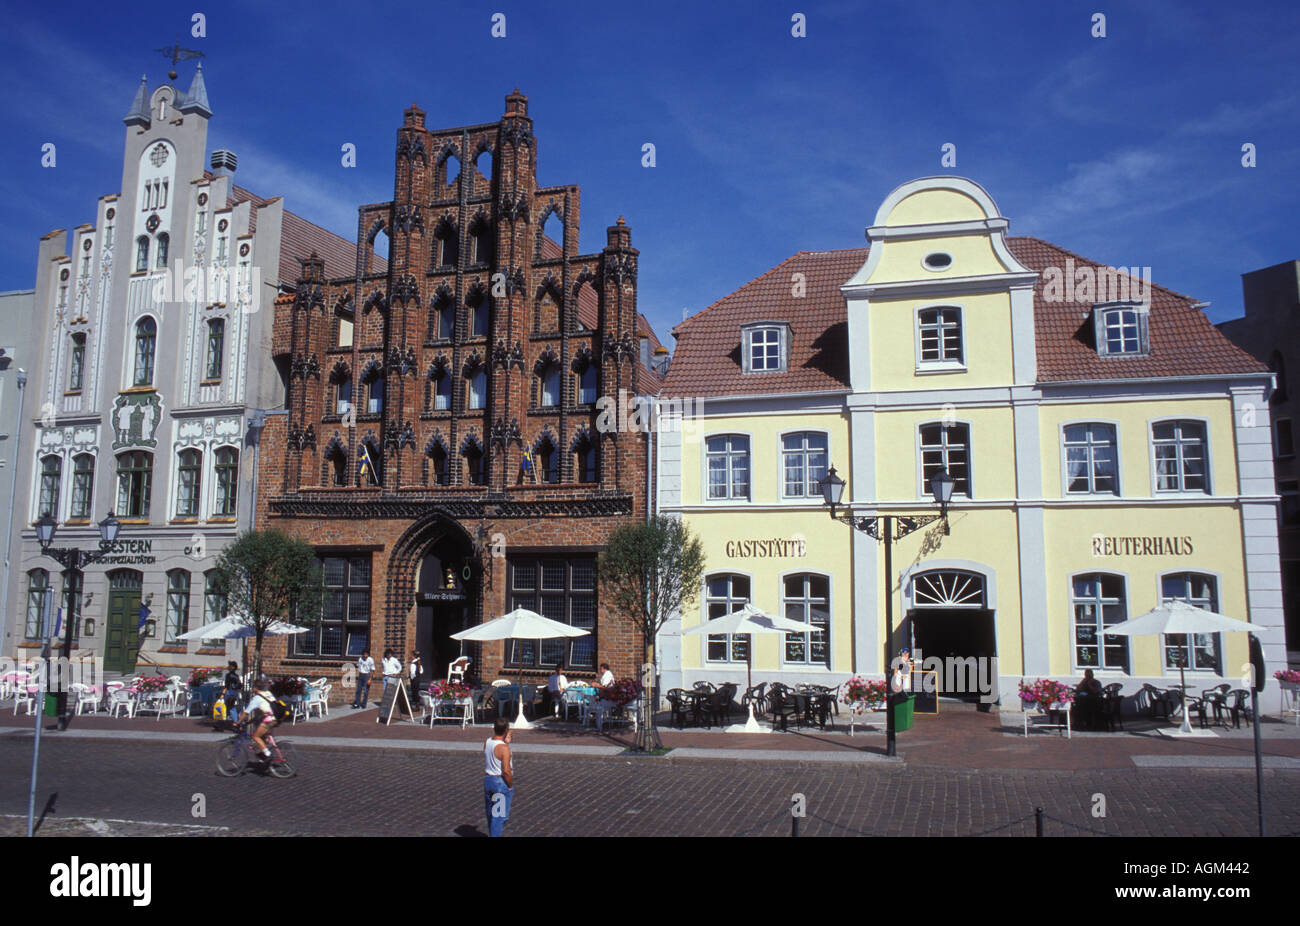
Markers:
235,754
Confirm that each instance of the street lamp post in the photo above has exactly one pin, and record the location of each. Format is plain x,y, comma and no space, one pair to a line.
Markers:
73,560
889,528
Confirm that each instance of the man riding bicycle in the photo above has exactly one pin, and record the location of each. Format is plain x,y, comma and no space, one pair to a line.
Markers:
260,716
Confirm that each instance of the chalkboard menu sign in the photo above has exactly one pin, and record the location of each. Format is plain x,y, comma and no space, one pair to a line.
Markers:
395,695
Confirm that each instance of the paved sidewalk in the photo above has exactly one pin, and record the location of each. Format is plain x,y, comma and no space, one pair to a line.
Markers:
957,737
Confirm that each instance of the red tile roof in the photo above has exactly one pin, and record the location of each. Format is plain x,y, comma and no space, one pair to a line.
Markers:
299,238
707,359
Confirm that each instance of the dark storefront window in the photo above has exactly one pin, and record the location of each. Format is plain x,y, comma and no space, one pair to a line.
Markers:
563,590
344,630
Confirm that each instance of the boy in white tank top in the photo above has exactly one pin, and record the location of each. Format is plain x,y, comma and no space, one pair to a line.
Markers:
498,777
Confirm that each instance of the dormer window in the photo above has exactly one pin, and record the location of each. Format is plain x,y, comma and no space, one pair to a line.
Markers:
1121,330
765,348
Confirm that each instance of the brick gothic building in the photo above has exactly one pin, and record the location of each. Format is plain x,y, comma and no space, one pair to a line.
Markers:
413,393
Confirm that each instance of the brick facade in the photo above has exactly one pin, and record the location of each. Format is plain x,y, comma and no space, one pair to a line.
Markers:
451,245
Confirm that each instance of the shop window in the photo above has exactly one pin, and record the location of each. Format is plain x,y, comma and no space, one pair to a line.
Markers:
723,595
1098,602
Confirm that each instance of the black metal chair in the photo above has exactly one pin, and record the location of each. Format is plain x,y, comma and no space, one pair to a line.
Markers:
704,686
1113,688
754,694
1112,710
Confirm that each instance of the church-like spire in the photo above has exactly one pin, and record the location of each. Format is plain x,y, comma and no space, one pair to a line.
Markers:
139,112
196,99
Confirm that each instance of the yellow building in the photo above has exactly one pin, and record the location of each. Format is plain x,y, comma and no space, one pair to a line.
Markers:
1111,451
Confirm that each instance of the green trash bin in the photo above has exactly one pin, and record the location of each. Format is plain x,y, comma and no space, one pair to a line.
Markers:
904,712
51,704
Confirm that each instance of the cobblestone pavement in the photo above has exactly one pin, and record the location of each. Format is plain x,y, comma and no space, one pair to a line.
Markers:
131,787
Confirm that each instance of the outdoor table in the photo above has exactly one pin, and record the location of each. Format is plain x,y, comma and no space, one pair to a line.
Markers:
509,694
1059,707
461,709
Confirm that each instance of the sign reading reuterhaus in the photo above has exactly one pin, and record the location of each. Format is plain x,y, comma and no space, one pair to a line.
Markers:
1142,546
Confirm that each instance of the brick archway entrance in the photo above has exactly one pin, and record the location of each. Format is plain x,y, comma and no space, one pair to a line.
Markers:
435,590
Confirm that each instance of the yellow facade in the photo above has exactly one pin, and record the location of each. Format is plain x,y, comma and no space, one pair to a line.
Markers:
1048,567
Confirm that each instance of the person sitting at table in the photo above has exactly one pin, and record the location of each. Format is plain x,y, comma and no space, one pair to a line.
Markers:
1089,691
606,676
555,686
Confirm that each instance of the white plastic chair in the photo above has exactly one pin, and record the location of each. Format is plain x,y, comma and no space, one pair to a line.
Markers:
85,697
119,699
456,671
1291,703
315,699
26,694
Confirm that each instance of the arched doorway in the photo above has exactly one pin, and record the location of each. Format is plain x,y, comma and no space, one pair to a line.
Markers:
951,619
446,597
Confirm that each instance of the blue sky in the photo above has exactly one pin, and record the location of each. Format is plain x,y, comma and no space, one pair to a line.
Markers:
1126,149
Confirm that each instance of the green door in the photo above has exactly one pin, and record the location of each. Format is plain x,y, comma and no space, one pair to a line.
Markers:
122,641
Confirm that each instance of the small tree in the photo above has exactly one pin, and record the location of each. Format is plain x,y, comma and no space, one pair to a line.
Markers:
270,576
649,572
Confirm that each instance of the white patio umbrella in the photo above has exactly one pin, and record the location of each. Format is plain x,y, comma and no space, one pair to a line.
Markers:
232,628
520,624
1179,617
235,628
751,620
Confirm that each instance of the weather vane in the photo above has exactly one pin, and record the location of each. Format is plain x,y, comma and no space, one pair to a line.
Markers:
176,53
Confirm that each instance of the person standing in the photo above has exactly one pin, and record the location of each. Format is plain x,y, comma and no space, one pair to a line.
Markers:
414,671
365,666
233,690
392,670
498,777
555,686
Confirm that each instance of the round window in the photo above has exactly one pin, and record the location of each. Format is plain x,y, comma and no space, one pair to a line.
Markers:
203,199
110,214
937,260
85,245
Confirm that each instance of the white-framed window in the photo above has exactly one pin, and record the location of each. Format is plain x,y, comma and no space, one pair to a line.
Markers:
1283,441
146,342
189,478
134,483
226,500
1097,602
1121,330
945,446
1181,456
765,348
216,347
77,363
725,593
83,486
214,607
803,463
1191,650
727,463
807,600
51,482
939,341
178,605
1091,459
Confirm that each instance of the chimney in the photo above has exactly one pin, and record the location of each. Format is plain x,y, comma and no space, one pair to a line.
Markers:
661,361
223,162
